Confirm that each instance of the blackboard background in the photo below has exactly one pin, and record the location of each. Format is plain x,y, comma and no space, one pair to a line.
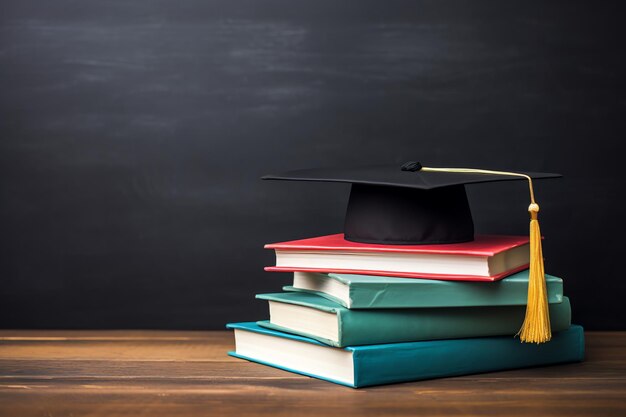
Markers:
133,135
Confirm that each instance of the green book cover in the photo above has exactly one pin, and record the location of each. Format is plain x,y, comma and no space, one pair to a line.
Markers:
365,291
330,323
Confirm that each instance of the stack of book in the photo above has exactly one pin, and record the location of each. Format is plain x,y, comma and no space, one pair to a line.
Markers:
361,314
408,291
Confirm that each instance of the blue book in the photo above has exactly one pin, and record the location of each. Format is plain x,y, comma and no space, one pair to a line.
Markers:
316,317
369,291
360,366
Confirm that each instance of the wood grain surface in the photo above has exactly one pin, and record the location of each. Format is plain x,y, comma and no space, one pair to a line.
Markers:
178,373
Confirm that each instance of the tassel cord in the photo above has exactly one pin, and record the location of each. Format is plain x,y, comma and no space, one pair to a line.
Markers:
489,172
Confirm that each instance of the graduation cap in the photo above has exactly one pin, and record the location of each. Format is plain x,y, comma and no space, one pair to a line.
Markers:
412,204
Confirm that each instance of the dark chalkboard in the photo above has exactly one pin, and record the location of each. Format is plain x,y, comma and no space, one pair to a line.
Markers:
133,135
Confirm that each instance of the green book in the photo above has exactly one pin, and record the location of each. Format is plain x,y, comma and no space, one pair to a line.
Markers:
365,291
316,317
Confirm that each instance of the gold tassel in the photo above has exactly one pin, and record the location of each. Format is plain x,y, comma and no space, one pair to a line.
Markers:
536,326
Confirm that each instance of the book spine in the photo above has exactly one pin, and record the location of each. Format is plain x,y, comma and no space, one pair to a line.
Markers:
368,327
443,358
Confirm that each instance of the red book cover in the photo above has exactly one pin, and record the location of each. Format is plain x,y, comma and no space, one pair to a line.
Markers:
482,246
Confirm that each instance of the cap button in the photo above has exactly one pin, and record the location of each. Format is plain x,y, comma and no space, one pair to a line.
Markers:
411,166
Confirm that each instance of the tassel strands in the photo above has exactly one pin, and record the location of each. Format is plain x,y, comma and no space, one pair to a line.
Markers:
536,326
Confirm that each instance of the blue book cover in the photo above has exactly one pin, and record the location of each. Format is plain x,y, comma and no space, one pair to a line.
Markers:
319,318
360,366
369,291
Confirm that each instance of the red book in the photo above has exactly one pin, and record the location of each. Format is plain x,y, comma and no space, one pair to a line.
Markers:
487,258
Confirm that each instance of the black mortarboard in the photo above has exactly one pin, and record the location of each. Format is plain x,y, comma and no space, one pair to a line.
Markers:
404,204
413,204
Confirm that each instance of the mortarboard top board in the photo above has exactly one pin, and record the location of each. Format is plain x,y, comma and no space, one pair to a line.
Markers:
405,204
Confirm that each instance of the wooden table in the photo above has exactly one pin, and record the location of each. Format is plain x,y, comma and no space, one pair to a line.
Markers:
167,373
